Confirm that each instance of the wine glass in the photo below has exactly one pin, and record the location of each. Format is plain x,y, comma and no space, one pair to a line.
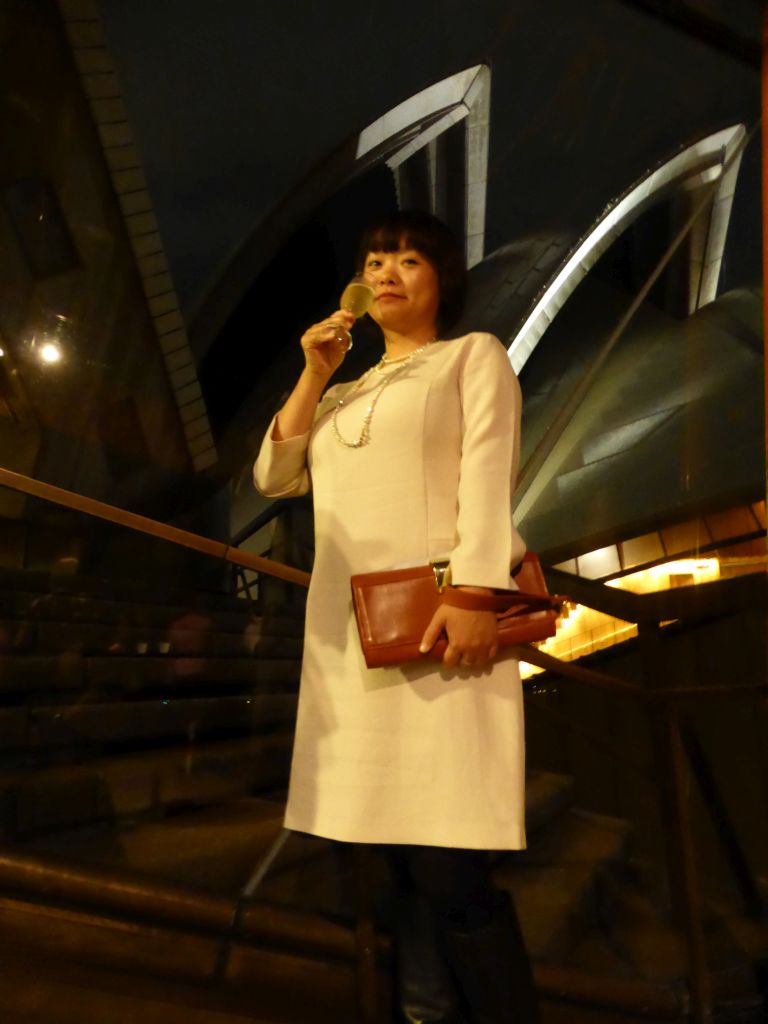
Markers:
357,296
356,299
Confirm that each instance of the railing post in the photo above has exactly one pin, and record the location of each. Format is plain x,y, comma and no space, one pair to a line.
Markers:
672,772
723,822
682,858
765,203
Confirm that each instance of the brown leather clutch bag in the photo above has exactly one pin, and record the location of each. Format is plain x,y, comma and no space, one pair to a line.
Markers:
393,609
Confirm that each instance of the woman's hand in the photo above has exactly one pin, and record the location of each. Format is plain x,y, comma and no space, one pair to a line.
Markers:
325,344
472,636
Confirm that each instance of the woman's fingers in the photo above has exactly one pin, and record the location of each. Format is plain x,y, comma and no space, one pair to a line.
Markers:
335,326
326,343
454,656
325,337
472,637
330,332
433,631
473,659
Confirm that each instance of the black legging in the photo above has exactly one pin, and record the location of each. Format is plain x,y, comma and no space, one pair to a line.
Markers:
456,884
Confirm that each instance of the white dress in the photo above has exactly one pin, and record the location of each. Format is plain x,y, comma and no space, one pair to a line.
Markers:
420,753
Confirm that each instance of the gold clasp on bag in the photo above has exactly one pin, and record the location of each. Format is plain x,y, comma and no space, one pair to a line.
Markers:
442,570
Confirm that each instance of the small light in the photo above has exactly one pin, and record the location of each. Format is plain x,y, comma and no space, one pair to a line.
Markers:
2,352
50,353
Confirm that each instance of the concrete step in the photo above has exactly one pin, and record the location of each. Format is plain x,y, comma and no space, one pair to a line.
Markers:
321,883
42,986
37,989
50,637
199,952
140,591
316,875
52,800
556,1012
70,605
43,990
555,883
638,939
85,726
547,795
643,948
213,850
216,849
131,675
172,975
70,671
152,612
615,995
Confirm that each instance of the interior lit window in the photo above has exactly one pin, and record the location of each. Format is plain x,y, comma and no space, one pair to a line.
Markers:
582,630
669,575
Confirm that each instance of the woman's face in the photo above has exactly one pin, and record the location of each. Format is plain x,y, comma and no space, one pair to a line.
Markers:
406,291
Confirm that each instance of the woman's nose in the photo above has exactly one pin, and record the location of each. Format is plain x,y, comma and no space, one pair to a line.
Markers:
387,272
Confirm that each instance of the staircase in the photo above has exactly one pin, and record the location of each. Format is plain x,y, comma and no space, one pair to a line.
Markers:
145,739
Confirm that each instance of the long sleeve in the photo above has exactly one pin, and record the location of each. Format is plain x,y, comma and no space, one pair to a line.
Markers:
487,542
280,471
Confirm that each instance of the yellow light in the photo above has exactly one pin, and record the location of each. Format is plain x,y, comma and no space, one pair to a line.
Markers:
584,630
527,670
50,353
657,577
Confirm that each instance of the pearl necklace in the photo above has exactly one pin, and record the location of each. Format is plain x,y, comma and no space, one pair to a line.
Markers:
365,431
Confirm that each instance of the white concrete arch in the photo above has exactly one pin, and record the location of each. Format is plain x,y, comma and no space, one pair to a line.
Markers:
697,165
419,120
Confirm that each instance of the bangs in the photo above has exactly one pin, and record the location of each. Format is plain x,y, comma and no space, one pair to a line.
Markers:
391,235
401,228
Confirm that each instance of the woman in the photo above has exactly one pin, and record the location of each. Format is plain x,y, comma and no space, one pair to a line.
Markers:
413,461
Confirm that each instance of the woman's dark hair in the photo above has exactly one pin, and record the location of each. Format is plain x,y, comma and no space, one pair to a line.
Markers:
435,241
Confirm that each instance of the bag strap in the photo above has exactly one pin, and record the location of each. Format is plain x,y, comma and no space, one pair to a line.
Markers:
503,601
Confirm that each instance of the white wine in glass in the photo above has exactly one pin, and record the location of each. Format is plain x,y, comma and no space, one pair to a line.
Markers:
357,296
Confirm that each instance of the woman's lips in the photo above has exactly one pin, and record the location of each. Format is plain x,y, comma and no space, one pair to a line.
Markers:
388,295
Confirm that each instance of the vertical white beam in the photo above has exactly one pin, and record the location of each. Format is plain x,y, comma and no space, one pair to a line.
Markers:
478,99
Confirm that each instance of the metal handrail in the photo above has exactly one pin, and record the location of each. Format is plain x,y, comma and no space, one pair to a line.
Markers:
663,605
151,527
260,521
642,694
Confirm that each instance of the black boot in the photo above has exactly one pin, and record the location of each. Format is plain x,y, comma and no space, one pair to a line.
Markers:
492,967
425,989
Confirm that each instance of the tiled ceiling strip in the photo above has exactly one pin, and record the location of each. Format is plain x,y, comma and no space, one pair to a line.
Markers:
97,72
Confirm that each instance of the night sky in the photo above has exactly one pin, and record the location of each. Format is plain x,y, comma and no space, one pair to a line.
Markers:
234,104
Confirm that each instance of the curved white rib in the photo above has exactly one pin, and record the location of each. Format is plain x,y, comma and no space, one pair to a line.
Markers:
691,168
